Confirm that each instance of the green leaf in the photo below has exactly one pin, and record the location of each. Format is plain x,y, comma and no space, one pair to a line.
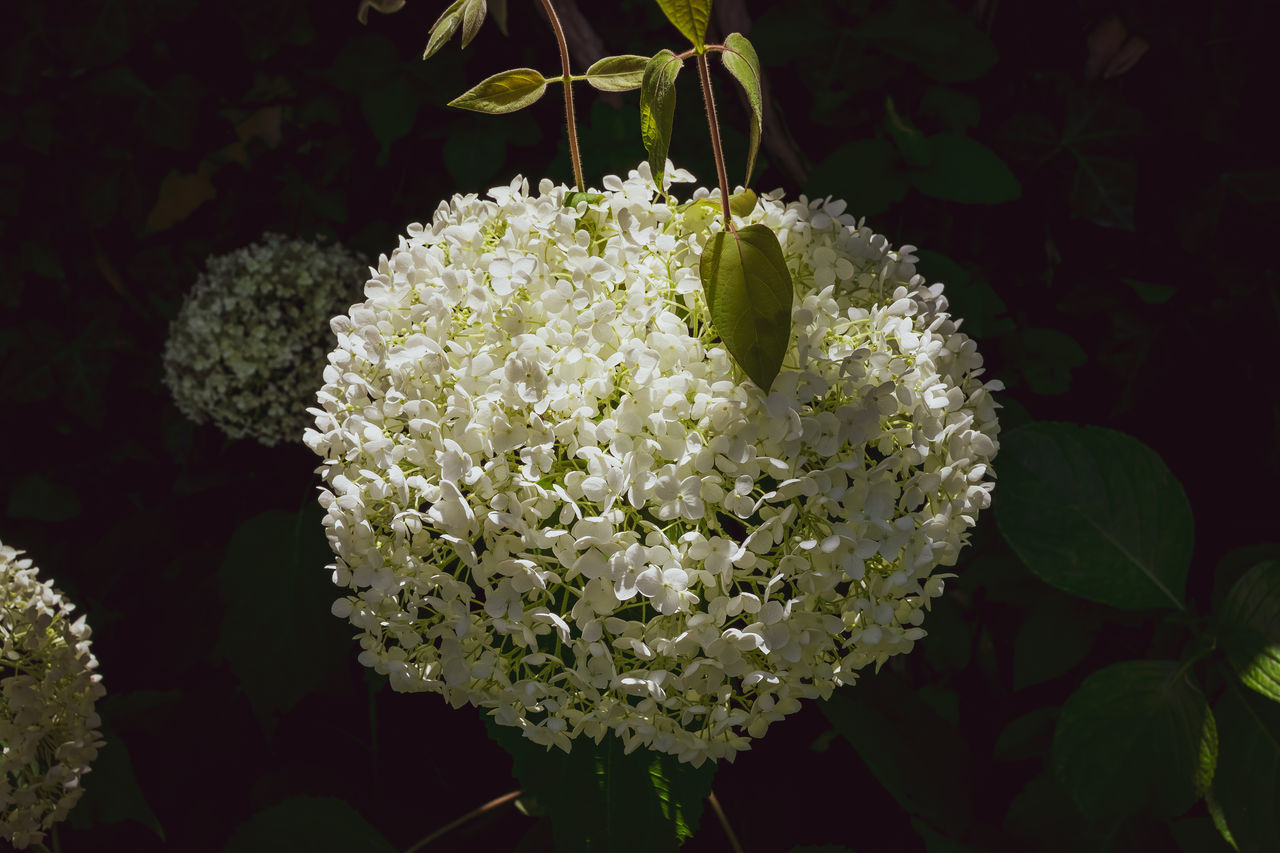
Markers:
1095,513
741,204
1027,736
1219,819
690,17
503,93
1046,357
601,799
1104,191
1054,638
740,60
955,110
658,108
314,824
444,27
749,292
277,597
964,170
572,199
472,18
498,9
865,172
911,143
42,499
932,34
112,794
1249,625
618,73
1247,783
1132,737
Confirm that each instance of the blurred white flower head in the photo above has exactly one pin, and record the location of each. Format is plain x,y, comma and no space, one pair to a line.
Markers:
248,345
48,686
552,495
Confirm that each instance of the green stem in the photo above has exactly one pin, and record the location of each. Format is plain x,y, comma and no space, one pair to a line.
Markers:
724,821
704,74
474,813
574,154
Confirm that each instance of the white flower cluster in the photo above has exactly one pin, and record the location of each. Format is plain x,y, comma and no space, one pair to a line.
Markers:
554,496
48,685
248,345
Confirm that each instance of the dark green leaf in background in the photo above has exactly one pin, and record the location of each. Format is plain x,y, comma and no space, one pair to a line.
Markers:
1055,637
911,143
749,295
964,170
313,824
1105,191
1045,358
111,792
970,296
1249,626
504,92
278,634
740,60
934,35
1247,783
658,109
1132,737
1096,513
949,107
1027,736
865,173
600,799
42,499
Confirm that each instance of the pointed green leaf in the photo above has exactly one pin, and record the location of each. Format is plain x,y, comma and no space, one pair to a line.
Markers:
740,59
444,27
658,108
690,17
1219,819
315,824
503,93
1249,625
748,290
1247,784
618,73
1095,513
498,9
741,204
572,199
1133,736
964,170
386,7
472,18
601,799
907,137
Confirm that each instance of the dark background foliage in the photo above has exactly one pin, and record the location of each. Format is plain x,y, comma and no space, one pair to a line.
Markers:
1106,237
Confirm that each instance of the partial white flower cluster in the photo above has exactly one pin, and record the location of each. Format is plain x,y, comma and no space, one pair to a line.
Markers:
48,686
248,345
553,495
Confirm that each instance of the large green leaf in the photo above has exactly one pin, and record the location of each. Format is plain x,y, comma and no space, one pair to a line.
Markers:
1096,513
1249,627
503,93
314,824
964,170
1136,734
277,634
749,292
690,18
1247,785
658,109
444,27
741,61
112,793
600,799
1055,637
865,172
618,73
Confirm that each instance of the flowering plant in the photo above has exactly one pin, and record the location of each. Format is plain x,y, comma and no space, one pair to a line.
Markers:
249,341
48,687
553,498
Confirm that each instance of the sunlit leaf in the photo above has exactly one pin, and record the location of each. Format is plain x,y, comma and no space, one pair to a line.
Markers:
601,799
740,60
1133,736
741,204
472,18
503,93
444,27
690,17
618,73
1249,626
1096,513
749,292
658,108
572,199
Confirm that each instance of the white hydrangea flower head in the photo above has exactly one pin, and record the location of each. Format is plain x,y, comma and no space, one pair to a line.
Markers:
248,345
48,686
551,493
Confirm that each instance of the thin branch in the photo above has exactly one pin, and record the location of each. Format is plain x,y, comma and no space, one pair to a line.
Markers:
724,822
585,44
704,74
471,815
574,154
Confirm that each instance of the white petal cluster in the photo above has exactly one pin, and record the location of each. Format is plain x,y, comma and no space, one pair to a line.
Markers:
552,495
48,686
247,347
